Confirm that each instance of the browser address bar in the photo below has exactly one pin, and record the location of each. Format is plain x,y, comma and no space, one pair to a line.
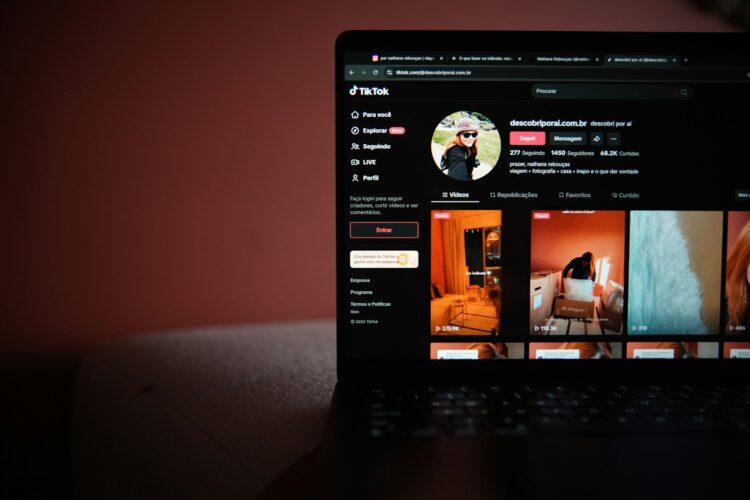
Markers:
489,73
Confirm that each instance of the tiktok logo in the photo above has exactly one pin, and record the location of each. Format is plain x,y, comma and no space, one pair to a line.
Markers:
365,91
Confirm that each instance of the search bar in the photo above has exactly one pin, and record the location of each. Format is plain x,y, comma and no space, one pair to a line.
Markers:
614,91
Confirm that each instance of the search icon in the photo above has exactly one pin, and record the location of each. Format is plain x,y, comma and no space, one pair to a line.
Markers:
684,92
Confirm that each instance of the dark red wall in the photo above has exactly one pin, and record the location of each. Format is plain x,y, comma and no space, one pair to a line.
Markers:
168,165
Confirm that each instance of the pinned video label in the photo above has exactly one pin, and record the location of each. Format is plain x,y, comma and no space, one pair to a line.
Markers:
653,353
558,354
383,259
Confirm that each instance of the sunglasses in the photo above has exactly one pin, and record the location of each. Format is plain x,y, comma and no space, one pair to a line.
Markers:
466,135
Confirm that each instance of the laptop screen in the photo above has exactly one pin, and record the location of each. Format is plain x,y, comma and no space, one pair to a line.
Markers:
527,196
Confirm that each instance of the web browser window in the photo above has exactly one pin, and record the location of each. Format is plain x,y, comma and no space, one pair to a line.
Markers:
510,204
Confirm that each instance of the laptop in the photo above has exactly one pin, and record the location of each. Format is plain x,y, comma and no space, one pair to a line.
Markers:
543,263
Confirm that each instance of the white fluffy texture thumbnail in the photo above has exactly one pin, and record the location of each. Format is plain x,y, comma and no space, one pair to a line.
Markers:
665,294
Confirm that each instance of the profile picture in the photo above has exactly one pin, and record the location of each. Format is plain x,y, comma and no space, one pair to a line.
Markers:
466,145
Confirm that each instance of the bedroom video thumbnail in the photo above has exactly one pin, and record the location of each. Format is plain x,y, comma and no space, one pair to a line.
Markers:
575,350
736,350
577,272
674,272
476,350
738,273
673,350
466,288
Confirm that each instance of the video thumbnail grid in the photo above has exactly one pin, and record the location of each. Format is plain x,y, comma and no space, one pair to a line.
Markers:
663,284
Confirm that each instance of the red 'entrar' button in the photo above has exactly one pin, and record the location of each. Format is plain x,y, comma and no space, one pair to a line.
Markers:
397,130
528,139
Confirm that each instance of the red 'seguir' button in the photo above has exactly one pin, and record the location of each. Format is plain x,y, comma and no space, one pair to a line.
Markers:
397,130
528,139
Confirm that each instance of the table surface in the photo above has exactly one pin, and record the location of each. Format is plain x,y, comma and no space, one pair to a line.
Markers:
201,413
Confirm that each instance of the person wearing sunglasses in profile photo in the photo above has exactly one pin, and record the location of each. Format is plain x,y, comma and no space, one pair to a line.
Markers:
461,153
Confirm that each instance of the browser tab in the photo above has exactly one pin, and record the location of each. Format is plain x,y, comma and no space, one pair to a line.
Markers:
566,59
641,61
